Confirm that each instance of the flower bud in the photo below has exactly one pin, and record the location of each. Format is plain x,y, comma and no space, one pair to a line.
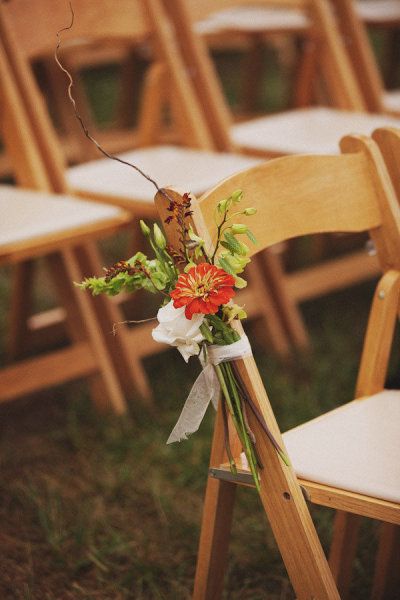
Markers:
237,196
222,205
238,228
159,237
145,228
249,211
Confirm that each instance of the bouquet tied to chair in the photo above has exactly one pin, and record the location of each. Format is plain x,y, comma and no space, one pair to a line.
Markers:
198,315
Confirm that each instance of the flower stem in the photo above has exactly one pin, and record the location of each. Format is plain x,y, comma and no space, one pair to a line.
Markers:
248,447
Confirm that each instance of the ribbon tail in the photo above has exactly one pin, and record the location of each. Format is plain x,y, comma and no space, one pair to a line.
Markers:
200,396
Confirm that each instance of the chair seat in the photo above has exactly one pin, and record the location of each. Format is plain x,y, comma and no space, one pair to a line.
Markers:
251,19
192,170
306,131
27,216
379,11
391,101
355,447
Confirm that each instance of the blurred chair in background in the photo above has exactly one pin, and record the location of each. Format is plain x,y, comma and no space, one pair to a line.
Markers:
364,63
193,168
345,459
252,28
56,228
310,130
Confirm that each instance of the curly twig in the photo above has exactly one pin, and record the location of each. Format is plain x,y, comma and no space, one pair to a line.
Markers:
80,119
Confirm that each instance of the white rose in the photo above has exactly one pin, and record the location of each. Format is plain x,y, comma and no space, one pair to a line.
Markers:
176,330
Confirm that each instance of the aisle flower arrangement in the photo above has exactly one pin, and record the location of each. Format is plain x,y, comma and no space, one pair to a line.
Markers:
197,314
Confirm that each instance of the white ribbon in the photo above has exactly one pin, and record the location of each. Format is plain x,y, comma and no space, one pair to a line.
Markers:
206,388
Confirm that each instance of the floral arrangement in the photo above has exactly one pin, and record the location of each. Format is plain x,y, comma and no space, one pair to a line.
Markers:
197,314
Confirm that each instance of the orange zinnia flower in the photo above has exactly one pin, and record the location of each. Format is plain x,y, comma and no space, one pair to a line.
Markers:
203,289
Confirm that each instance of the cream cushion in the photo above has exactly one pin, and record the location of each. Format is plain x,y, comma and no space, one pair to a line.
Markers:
26,214
355,447
253,19
306,131
379,11
391,100
186,169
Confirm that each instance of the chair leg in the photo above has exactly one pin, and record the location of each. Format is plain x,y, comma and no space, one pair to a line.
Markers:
214,540
343,549
216,522
263,301
306,72
253,73
125,355
21,304
82,324
286,306
386,583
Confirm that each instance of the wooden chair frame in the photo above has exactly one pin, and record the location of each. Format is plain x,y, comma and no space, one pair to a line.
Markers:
358,195
88,355
347,526
188,115
362,57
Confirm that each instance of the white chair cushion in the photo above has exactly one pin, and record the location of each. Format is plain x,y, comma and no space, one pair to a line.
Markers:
190,170
379,11
355,447
306,131
391,100
26,215
253,19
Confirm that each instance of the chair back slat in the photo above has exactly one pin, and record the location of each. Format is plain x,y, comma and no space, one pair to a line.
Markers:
15,130
36,23
299,195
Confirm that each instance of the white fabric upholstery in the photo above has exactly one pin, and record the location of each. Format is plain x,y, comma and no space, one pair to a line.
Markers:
379,11
190,170
253,19
355,447
25,214
391,100
306,131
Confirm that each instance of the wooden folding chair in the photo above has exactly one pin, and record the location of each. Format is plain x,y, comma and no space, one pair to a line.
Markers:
251,28
194,168
345,537
347,458
57,229
364,62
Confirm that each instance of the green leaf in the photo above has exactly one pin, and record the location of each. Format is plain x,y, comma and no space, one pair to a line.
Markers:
232,243
251,236
223,263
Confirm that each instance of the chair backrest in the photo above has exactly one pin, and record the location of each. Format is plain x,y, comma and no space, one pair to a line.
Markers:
136,20
302,195
361,54
17,134
335,69
297,195
388,140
